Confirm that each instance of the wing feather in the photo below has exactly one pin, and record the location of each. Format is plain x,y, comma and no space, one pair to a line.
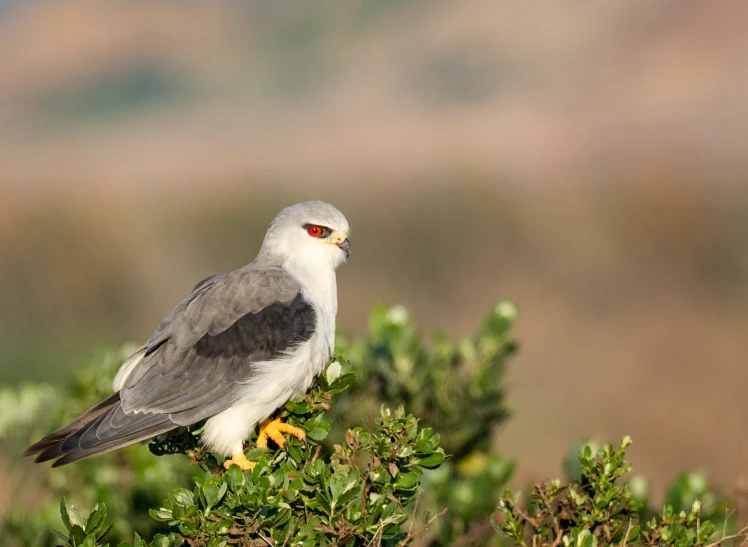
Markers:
194,364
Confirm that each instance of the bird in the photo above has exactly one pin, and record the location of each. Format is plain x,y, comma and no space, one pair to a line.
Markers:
237,348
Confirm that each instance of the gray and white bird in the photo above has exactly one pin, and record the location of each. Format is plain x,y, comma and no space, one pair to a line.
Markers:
234,351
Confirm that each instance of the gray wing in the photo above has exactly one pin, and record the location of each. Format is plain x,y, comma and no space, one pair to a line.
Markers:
193,365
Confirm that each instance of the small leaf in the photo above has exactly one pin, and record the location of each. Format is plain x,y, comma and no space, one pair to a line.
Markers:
65,515
62,536
432,461
254,454
392,468
406,481
333,372
707,529
213,493
184,497
317,434
162,541
301,408
161,514
77,534
235,477
70,515
95,519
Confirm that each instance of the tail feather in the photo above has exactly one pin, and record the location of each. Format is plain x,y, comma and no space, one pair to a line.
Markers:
92,433
64,432
84,453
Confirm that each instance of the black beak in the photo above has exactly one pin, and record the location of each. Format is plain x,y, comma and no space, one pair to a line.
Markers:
346,246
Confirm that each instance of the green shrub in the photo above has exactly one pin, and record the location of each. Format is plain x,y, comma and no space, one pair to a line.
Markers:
426,473
599,508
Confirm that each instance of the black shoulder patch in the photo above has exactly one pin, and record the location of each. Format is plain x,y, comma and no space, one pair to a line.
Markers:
263,335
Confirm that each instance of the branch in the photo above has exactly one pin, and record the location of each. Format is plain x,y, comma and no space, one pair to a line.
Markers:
411,536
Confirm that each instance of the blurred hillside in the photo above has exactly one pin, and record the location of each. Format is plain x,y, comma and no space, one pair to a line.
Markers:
586,160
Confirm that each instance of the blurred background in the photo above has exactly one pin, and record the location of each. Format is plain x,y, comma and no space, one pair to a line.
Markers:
586,160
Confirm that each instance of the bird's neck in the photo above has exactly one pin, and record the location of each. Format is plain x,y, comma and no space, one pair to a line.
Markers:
318,281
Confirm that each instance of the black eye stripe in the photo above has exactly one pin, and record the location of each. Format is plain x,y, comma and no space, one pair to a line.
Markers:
325,230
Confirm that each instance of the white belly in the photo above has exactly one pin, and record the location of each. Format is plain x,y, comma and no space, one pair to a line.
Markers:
274,384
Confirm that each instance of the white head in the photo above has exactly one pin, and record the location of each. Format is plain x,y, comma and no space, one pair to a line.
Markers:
312,234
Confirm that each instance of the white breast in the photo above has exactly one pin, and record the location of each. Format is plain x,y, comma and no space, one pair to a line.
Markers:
279,380
274,383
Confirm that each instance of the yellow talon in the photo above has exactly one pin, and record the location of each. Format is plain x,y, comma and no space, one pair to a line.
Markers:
273,428
241,460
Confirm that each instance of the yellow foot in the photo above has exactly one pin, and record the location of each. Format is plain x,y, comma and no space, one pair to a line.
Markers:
241,460
273,429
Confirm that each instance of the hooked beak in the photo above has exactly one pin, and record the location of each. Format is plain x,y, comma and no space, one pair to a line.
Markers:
345,245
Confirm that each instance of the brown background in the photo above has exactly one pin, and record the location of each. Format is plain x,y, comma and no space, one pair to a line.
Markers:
585,159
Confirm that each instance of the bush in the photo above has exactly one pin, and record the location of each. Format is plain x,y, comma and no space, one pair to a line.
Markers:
599,508
360,494
369,475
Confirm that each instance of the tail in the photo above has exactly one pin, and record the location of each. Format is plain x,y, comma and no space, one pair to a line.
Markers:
103,428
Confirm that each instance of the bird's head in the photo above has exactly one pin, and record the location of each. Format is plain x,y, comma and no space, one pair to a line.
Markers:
312,232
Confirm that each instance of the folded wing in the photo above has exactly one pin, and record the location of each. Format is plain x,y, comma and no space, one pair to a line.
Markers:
194,364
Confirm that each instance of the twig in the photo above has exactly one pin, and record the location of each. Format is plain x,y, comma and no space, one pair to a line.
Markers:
724,524
415,511
554,520
376,540
478,534
628,531
267,541
410,537
314,458
741,534
288,536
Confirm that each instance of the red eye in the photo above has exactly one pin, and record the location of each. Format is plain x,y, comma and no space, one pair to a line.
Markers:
314,231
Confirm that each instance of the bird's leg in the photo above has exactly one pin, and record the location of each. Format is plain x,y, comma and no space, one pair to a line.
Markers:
239,459
273,428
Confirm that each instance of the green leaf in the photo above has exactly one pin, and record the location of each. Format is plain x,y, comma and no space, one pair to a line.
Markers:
95,519
302,408
586,539
235,477
333,372
707,529
71,516
406,481
213,493
65,515
77,535
343,480
432,461
255,454
162,540
317,434
161,514
62,536
184,497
